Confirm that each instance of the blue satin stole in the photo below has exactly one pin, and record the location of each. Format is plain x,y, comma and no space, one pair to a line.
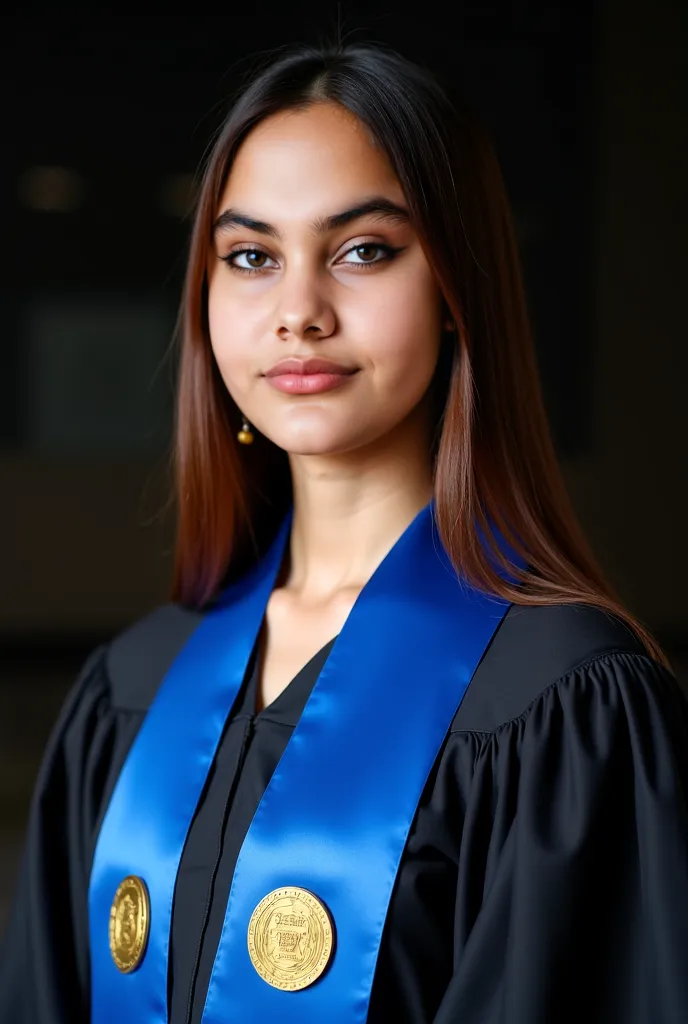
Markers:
336,814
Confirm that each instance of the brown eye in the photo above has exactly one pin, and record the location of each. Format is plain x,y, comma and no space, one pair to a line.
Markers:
367,252
248,260
255,258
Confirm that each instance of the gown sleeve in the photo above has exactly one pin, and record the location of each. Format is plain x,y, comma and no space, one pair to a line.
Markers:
44,960
572,899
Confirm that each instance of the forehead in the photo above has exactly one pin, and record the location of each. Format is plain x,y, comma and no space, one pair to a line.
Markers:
298,164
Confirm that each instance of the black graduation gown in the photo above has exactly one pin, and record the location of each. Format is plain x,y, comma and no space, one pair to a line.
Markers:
545,877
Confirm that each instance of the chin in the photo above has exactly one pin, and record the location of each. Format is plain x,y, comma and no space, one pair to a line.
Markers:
309,442
310,448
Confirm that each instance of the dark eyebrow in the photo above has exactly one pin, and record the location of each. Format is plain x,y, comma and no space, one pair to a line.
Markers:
232,218
377,207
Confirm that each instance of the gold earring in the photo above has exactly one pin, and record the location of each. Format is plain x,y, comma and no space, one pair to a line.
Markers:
245,436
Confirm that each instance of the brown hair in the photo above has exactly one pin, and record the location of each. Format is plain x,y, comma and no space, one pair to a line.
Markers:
494,460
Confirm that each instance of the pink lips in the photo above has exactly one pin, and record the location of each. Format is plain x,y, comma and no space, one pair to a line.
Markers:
307,377
307,366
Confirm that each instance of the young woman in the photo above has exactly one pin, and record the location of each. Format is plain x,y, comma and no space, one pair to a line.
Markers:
394,752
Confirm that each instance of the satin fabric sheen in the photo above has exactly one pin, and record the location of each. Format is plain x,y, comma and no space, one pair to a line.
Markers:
336,813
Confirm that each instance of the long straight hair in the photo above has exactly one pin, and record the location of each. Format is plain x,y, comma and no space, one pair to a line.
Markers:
492,454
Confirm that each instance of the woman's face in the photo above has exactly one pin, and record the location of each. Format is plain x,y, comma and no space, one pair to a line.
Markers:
314,257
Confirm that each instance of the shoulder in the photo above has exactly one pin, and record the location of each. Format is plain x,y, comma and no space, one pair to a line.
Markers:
537,647
137,659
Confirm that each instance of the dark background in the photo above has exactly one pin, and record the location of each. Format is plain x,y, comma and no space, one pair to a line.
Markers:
105,119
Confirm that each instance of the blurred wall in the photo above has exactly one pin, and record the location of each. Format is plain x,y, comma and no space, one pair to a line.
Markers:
631,491
84,549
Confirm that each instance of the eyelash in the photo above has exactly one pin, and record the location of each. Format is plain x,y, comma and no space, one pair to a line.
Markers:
389,253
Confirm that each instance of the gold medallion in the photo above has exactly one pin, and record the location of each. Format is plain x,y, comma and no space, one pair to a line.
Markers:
129,923
290,938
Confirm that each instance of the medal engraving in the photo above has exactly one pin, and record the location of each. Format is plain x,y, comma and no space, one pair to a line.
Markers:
129,923
290,938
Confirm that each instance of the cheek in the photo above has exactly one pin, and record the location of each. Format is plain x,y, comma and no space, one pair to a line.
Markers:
227,341
404,332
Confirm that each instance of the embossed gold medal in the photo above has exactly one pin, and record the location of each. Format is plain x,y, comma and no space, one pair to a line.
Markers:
290,938
129,923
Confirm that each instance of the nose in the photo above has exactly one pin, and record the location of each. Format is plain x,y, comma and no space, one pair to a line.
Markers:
303,309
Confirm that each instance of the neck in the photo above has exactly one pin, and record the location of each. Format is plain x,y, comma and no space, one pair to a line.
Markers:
350,509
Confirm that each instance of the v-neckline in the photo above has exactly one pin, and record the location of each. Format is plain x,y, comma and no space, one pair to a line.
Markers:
288,705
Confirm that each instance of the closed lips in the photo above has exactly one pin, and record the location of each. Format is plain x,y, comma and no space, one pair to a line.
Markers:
307,367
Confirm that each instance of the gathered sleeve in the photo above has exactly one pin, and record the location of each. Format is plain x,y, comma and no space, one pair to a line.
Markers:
44,959
572,896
